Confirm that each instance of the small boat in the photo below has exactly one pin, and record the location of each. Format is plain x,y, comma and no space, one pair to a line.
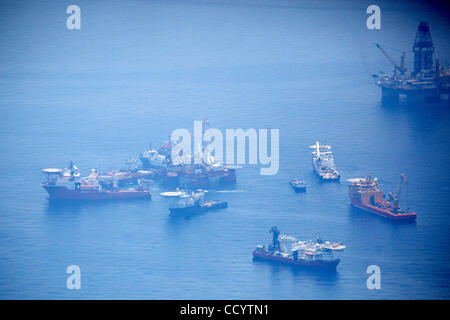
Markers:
192,204
298,185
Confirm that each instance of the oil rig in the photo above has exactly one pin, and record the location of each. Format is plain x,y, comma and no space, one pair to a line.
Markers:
425,83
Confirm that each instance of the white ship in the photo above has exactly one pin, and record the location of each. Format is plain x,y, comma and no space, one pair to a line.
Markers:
323,162
152,159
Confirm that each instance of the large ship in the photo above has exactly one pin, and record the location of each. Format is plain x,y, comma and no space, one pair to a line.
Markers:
288,250
365,194
425,82
71,187
323,162
182,171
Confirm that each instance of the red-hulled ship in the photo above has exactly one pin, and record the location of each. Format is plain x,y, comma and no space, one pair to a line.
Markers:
64,185
365,194
303,254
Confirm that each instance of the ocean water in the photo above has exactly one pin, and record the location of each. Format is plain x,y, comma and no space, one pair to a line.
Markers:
137,70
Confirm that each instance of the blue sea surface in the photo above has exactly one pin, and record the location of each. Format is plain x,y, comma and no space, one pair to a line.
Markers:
137,70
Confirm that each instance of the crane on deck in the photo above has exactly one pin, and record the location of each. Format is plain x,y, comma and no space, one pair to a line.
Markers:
395,197
402,68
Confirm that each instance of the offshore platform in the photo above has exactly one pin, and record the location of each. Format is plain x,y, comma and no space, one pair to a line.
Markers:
425,83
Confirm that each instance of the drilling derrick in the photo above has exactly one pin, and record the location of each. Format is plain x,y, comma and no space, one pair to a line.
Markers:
423,49
425,83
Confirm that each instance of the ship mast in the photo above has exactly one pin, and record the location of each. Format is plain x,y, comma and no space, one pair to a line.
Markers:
423,49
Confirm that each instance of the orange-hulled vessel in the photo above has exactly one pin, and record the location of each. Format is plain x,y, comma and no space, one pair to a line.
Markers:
365,194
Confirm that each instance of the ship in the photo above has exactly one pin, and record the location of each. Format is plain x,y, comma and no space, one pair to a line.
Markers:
194,204
151,158
124,178
298,185
425,83
323,162
288,250
182,171
71,187
131,174
365,194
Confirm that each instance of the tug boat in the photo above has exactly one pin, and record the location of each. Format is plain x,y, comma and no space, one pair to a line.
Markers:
365,194
298,185
299,253
193,204
323,163
70,187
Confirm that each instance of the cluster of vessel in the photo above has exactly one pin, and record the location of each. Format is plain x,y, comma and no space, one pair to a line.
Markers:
323,167
183,171
132,181
364,193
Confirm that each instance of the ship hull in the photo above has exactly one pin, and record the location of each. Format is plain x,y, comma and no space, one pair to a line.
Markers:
324,178
320,264
385,213
198,208
61,192
297,188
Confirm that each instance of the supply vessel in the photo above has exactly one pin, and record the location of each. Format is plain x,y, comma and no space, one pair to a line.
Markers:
365,194
288,250
65,184
323,162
